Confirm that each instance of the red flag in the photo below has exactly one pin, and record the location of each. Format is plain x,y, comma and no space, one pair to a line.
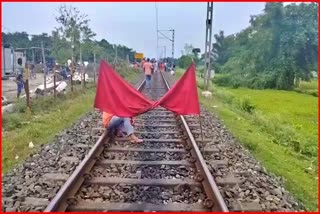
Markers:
116,96
182,98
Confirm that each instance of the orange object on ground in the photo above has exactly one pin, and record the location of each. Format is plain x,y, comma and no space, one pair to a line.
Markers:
106,117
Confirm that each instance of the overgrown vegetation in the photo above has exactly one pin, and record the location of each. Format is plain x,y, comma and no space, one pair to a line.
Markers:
187,55
279,48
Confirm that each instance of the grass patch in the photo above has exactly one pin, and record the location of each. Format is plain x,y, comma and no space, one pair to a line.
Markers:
280,131
312,85
276,158
41,125
48,116
286,113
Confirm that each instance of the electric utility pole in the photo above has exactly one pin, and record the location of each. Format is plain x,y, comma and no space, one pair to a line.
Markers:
208,45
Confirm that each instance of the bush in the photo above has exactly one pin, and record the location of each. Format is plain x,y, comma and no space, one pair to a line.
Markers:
20,106
229,80
235,84
223,80
315,94
246,105
295,145
251,146
11,121
184,61
310,149
253,81
224,95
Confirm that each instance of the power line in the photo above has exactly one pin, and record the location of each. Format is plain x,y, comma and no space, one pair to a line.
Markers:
163,35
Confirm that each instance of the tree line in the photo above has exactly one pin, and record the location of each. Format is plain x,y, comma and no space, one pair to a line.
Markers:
277,50
72,36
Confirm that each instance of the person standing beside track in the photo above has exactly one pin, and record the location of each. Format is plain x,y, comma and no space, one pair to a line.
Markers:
120,125
147,67
156,66
19,81
19,78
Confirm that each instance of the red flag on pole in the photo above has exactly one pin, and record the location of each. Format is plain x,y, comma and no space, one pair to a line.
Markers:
182,98
116,96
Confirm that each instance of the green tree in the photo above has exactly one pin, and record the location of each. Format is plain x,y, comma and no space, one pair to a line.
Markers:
279,47
184,61
187,55
74,26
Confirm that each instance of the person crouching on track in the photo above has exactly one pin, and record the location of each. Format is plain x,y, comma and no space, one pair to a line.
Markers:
120,125
147,71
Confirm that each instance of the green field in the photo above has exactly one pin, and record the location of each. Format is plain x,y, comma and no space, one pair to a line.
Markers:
289,109
280,128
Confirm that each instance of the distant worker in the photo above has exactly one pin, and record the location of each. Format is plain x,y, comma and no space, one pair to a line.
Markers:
173,70
19,81
156,66
142,63
147,67
19,77
33,74
153,67
161,67
120,125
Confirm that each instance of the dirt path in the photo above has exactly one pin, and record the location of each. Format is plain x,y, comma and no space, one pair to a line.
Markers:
9,87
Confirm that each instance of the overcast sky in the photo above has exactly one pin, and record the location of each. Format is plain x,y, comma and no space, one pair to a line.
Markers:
134,24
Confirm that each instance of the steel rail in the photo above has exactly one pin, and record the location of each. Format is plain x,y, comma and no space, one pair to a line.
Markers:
62,199
65,200
210,187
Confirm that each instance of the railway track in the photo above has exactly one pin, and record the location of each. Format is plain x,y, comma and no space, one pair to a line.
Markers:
165,173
